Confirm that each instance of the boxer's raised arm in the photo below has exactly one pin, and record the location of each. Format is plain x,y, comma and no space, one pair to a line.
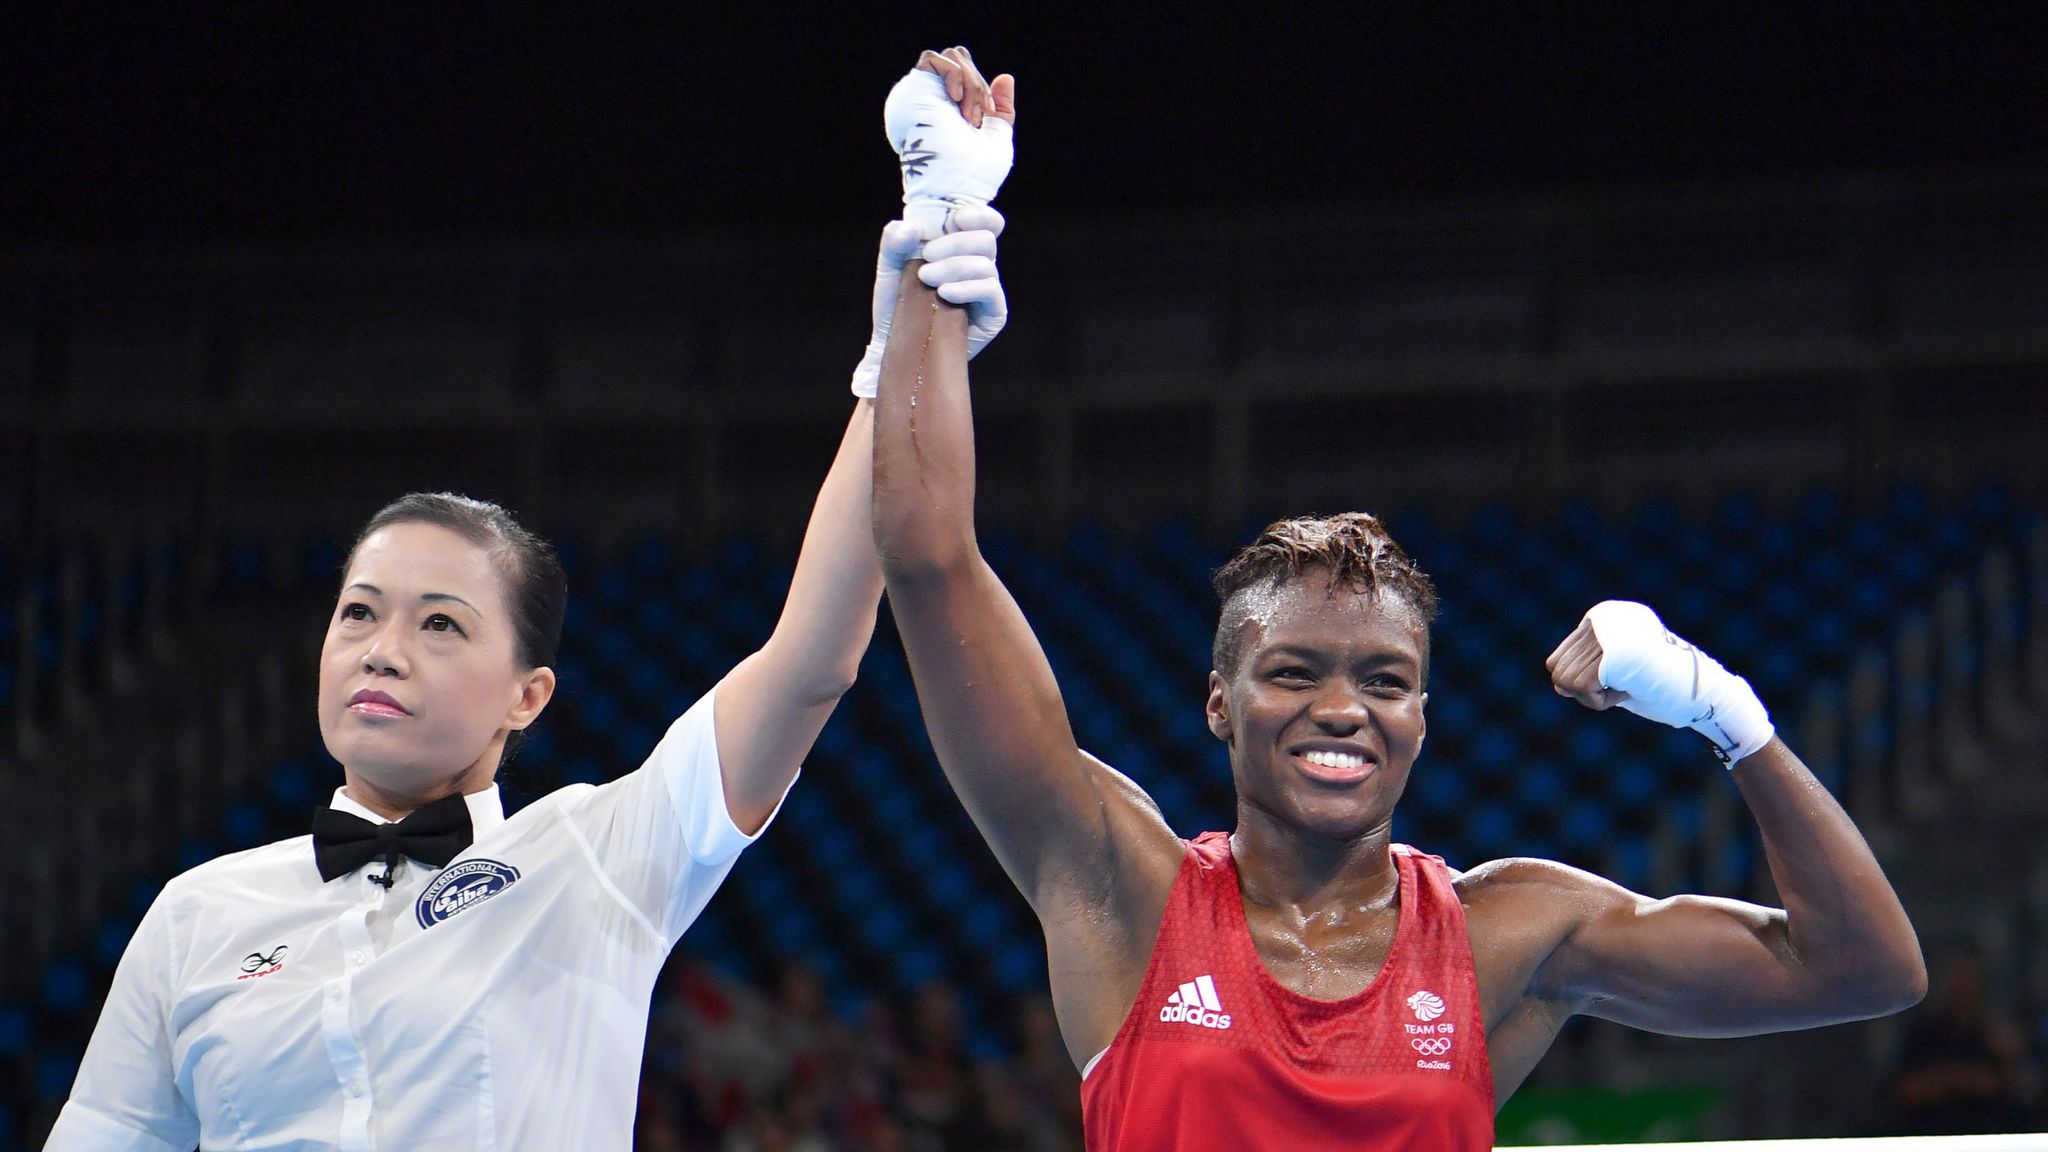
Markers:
1061,823
1841,949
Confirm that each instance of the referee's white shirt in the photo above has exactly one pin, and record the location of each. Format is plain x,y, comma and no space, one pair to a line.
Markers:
500,1003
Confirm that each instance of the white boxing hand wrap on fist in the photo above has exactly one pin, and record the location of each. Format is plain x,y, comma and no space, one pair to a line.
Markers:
1670,681
947,163
951,170
961,265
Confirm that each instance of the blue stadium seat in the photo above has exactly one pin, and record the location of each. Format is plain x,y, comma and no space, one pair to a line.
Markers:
1629,864
883,927
193,853
1648,577
14,1031
1635,783
922,847
950,888
614,590
1735,573
65,984
1020,967
539,745
55,1072
1437,789
917,965
1779,670
291,786
613,646
1492,527
1587,827
584,769
649,680
1540,786
1490,828
793,933
1656,520
244,824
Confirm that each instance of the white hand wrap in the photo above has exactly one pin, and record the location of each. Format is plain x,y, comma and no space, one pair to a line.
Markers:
960,264
947,162
1672,682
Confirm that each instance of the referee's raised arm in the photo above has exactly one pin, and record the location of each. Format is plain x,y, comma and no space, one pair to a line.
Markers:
771,706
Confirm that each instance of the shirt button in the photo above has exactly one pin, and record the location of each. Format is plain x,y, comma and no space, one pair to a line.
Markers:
334,993
356,957
355,1087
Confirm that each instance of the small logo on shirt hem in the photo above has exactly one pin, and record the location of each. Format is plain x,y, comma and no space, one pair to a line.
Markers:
257,964
463,886
1195,1003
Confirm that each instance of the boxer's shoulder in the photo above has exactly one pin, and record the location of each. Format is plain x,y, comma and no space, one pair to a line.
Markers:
1524,901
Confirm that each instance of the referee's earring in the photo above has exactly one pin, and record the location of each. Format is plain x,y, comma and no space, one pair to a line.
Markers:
1217,708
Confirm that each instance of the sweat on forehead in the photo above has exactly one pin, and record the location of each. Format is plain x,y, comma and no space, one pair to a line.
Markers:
1280,601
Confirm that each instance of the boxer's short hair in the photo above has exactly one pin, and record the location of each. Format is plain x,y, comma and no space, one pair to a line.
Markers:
1354,548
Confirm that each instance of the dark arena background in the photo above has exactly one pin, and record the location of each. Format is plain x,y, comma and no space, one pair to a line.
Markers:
1740,310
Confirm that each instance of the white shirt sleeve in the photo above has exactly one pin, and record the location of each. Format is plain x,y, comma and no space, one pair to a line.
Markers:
126,1096
663,833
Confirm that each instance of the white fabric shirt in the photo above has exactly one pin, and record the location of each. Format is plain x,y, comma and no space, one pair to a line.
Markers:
499,1003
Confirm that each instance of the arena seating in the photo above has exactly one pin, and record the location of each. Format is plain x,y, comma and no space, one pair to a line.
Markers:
877,880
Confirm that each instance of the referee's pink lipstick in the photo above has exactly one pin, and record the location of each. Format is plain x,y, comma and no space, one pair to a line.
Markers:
369,702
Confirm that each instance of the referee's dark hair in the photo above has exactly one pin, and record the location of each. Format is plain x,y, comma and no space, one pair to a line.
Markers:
538,591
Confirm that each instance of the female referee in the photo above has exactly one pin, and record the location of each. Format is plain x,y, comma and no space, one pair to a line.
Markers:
423,972
1303,982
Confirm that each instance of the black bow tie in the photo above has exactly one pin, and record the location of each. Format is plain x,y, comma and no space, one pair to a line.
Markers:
431,835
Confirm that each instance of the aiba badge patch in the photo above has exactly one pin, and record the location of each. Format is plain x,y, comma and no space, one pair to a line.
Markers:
465,885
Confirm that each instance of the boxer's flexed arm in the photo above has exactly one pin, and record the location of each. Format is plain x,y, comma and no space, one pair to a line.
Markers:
1841,948
1084,846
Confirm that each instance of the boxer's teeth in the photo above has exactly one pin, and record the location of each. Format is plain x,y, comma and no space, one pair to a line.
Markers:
1334,759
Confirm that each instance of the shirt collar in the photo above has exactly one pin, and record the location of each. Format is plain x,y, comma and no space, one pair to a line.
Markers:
486,810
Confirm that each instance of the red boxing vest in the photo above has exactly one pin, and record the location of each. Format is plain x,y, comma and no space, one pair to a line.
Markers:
1216,1054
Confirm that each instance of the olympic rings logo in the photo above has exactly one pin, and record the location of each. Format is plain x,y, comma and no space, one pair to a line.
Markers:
1431,1045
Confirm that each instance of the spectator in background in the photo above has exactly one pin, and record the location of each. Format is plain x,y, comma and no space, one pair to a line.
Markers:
802,1028
1962,1070
935,1092
754,1073
1045,1076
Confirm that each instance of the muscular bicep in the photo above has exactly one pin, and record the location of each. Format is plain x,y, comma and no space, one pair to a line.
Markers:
1063,825
1686,966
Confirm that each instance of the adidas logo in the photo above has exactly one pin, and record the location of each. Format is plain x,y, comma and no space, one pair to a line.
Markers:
1195,1003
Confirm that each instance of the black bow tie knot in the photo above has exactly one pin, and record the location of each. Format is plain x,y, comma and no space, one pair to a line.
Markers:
432,835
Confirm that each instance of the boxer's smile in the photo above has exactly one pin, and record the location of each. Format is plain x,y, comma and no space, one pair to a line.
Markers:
1324,714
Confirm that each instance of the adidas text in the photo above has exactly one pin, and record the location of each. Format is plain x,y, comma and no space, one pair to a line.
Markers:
1195,1003
1184,1014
